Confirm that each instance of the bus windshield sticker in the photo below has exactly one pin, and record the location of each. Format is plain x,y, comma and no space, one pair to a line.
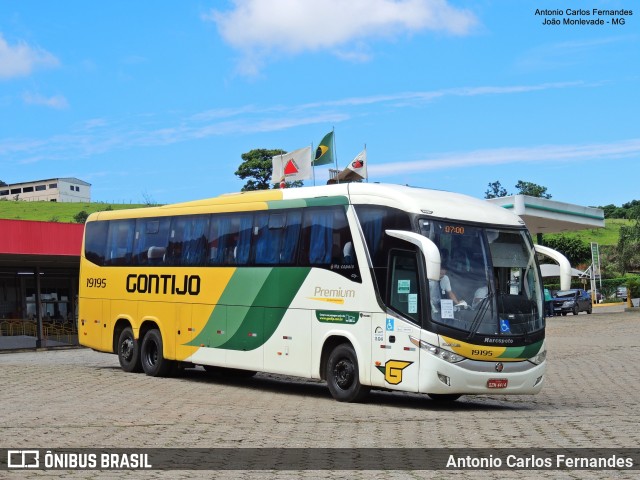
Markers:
413,302
446,307
404,286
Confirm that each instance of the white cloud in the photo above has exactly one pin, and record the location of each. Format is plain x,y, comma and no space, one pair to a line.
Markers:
21,59
502,156
258,27
58,102
99,135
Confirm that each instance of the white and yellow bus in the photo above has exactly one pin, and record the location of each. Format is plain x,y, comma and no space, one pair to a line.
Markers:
362,285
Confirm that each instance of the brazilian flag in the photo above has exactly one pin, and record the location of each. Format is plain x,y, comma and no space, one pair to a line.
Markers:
324,152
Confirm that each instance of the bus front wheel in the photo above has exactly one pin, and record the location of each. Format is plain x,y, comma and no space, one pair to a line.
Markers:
128,352
153,363
343,378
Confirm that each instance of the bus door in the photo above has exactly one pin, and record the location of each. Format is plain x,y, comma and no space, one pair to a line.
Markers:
402,357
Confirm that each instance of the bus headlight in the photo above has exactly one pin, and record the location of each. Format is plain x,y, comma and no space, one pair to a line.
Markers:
437,351
539,358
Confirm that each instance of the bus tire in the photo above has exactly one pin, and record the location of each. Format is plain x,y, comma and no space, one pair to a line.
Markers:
343,378
129,352
153,363
444,397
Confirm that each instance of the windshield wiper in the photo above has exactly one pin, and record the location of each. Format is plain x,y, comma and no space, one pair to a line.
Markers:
477,319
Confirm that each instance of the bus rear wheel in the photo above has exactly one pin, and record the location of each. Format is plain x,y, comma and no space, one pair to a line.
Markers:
128,352
343,377
153,363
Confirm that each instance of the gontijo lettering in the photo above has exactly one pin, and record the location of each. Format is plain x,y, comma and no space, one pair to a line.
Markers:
163,284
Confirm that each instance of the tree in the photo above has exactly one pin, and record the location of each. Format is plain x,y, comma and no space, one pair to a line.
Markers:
577,251
628,248
256,166
2,184
80,217
532,189
495,190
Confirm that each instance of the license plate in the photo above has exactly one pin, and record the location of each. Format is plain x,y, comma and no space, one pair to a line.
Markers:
497,383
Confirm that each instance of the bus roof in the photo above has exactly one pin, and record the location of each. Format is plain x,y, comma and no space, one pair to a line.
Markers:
436,203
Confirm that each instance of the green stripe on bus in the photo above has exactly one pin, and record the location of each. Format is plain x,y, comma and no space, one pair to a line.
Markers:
238,296
522,352
268,309
251,307
308,202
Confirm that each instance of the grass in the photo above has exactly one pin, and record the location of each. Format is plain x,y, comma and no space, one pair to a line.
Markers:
54,211
602,236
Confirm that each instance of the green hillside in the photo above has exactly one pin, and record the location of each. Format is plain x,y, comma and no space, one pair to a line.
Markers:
54,211
603,236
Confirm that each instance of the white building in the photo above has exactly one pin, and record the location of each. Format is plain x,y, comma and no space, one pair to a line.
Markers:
49,190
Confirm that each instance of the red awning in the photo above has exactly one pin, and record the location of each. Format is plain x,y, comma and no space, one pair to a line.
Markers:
24,237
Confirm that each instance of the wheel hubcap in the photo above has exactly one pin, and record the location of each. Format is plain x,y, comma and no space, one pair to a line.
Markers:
344,374
127,349
152,354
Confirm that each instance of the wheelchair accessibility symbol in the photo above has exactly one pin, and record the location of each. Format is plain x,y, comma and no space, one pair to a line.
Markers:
504,326
390,324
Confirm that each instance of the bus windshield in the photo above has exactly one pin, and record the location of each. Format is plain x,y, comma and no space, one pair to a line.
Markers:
489,281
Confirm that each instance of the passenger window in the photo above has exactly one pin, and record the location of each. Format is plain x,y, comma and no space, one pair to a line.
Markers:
327,242
188,240
120,242
94,242
230,239
151,240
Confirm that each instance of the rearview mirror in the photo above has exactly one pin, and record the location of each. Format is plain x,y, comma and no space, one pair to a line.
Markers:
426,246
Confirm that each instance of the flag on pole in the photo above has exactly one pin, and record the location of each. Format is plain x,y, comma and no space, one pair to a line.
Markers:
359,164
324,152
291,166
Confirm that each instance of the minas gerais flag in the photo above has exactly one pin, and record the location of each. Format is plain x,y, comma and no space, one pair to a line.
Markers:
292,166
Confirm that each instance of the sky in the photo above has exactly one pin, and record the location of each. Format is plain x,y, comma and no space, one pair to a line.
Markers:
157,100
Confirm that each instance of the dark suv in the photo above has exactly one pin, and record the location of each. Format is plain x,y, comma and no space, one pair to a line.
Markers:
575,301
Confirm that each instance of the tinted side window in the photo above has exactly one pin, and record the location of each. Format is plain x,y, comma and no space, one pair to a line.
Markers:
230,239
151,239
277,237
95,234
374,220
327,242
120,242
188,240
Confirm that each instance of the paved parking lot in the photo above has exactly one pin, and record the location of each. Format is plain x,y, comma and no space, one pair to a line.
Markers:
79,398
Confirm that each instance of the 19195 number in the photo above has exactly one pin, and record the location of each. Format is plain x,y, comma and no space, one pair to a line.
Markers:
97,282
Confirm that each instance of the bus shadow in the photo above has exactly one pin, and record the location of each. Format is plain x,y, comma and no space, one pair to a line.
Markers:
318,389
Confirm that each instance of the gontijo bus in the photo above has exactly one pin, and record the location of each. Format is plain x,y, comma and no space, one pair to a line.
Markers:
362,285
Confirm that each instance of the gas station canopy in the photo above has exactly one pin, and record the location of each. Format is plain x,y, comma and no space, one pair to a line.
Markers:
542,215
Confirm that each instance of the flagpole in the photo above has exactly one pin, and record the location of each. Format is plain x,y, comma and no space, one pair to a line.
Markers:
335,155
313,166
366,161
